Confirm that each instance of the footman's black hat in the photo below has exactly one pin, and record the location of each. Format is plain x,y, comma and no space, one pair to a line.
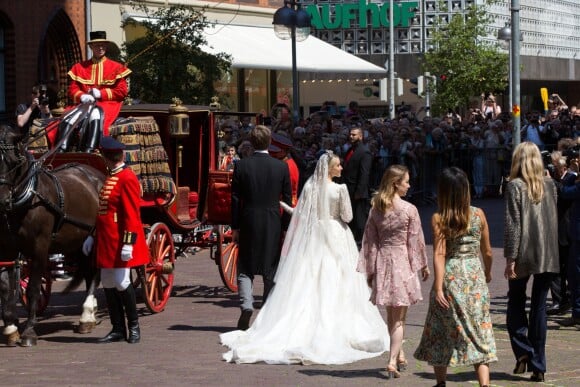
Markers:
109,144
281,141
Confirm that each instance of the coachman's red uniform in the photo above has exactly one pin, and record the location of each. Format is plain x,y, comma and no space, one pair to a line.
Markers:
119,221
294,179
106,75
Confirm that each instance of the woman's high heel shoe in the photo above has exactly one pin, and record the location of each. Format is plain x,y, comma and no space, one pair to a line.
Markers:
402,365
521,365
392,373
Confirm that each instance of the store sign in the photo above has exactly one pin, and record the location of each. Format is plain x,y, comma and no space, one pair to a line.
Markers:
345,15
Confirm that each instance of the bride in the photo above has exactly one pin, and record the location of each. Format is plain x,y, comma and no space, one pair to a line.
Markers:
319,310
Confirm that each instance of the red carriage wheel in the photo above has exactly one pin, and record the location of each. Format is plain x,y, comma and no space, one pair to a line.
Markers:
157,276
228,258
45,289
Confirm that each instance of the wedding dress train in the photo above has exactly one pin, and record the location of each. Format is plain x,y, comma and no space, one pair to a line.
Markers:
319,310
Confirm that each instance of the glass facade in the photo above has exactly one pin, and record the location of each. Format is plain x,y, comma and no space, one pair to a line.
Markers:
551,28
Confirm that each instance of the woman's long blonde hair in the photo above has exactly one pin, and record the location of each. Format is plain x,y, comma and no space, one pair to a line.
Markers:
527,164
453,200
383,199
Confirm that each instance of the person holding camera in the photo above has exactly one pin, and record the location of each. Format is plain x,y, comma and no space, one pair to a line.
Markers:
26,113
489,108
534,131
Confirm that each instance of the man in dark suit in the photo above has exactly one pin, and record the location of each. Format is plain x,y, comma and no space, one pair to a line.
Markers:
562,176
571,191
259,183
356,174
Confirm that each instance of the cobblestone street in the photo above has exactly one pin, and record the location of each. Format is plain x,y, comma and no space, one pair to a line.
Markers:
180,346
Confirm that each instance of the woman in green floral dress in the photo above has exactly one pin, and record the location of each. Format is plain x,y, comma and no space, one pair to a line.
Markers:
458,329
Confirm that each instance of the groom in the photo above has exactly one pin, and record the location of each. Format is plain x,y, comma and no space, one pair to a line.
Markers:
258,185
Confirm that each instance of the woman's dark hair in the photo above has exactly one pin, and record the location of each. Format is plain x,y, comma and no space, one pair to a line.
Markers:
453,199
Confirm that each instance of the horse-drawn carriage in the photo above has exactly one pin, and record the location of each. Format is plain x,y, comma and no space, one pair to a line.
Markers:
185,200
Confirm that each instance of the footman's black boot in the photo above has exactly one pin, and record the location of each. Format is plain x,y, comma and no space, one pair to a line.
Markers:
118,333
128,297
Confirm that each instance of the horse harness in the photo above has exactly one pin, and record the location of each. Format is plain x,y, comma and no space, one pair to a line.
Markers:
29,190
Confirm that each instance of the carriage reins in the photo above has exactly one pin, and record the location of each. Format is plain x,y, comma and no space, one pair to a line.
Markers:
84,109
28,188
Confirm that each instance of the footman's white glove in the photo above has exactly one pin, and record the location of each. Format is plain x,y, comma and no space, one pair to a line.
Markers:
88,245
127,252
96,93
87,98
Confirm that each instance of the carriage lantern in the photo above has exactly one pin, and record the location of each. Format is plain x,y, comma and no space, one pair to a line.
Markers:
178,119
178,128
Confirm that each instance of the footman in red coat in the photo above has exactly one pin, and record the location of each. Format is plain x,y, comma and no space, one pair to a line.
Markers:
120,242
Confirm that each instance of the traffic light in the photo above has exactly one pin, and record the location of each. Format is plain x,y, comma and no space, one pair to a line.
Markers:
382,92
419,81
400,90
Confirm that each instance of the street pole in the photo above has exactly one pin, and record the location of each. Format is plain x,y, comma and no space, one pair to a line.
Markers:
511,75
427,94
391,62
292,22
295,91
515,70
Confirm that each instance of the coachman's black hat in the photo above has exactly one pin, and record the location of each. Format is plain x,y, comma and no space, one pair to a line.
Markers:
98,37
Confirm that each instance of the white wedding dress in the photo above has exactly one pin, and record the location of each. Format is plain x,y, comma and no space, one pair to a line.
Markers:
319,310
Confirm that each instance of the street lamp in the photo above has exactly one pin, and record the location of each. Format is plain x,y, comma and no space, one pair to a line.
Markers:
505,35
292,22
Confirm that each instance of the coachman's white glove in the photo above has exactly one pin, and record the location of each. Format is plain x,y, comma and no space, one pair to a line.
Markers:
87,98
96,93
126,252
88,245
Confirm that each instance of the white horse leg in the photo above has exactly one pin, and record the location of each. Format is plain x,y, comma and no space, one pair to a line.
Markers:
88,319
11,334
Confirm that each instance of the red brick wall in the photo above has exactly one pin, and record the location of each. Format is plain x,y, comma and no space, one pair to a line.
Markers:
29,20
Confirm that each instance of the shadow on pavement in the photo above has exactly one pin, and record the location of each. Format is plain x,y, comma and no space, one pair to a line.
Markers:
346,374
200,328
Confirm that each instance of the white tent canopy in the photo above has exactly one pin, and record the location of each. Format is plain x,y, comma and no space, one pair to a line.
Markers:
257,47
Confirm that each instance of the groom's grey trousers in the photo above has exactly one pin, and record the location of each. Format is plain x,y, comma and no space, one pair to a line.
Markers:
246,288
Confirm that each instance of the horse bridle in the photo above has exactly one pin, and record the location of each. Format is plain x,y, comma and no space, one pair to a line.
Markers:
24,188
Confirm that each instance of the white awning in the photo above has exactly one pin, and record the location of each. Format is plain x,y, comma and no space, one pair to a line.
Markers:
257,47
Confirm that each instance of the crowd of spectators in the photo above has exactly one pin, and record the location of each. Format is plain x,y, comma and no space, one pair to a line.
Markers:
478,143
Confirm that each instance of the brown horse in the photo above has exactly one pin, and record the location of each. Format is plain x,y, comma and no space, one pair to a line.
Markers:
44,212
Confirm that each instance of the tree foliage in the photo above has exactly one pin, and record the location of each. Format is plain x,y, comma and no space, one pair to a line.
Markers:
168,62
464,65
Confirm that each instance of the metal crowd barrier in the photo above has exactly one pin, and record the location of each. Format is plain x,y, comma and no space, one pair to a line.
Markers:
486,169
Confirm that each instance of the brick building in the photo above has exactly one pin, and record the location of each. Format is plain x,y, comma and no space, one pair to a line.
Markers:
39,42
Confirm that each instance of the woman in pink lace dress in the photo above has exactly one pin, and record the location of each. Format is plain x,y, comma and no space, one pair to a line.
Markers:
393,251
